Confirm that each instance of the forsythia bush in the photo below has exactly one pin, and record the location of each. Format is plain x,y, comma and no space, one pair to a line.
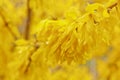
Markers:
59,39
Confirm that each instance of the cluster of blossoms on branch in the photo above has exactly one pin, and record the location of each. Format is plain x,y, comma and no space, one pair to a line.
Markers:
59,39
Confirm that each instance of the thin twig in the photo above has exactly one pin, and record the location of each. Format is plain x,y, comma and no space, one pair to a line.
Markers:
7,26
113,5
36,47
28,20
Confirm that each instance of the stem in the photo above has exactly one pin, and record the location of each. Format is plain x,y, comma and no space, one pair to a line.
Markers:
111,6
27,29
36,47
7,26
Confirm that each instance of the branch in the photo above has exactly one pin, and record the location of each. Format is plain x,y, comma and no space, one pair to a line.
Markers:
7,26
27,29
36,47
113,5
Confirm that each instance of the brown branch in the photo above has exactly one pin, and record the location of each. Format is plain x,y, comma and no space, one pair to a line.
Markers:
113,5
27,28
7,26
36,45
30,59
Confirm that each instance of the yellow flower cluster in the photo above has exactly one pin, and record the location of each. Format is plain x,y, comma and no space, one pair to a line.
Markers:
59,39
